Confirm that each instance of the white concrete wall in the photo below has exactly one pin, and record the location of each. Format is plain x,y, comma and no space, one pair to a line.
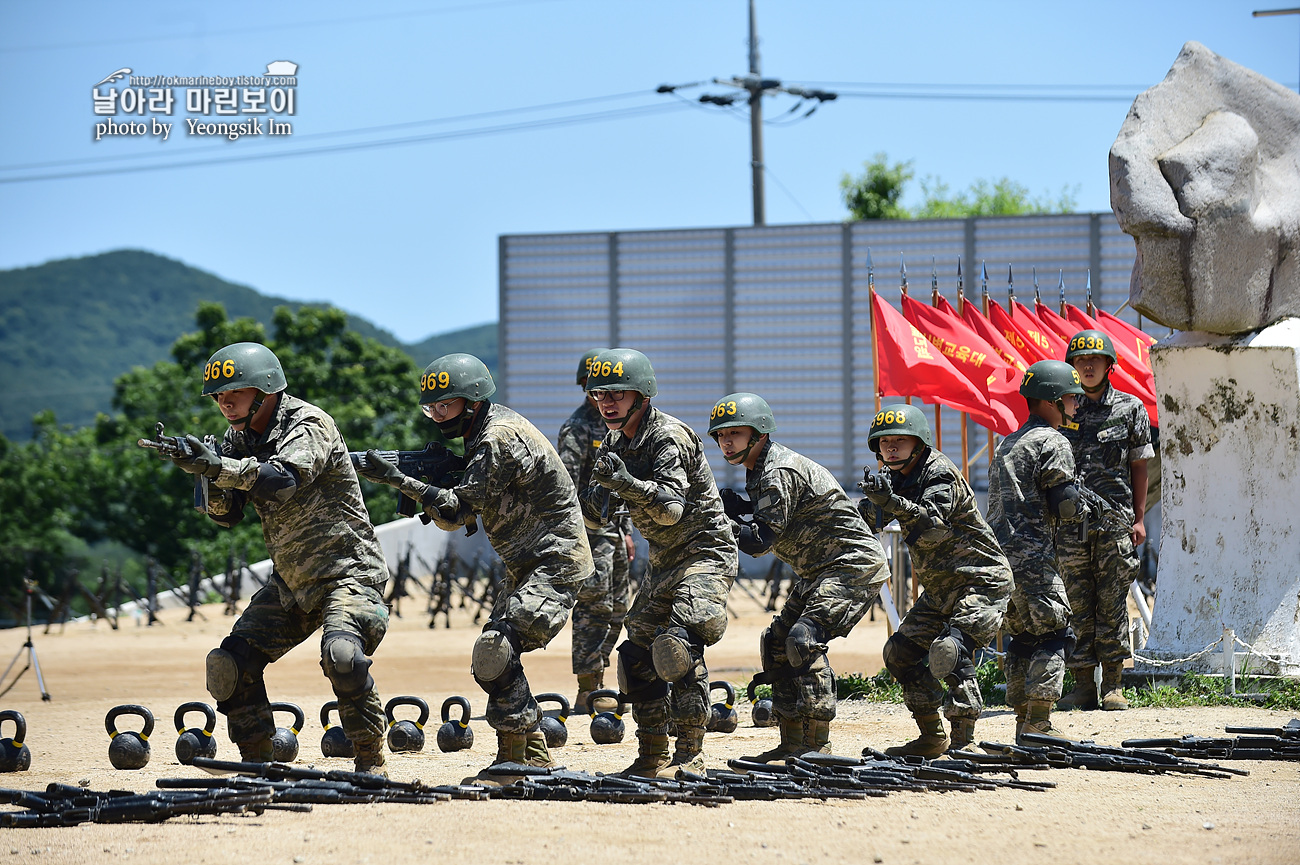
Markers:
1230,445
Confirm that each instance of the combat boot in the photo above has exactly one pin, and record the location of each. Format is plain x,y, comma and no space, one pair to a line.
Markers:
1112,699
370,757
816,737
1021,710
932,742
963,735
791,744
257,751
1038,719
1084,695
689,753
651,756
588,682
511,748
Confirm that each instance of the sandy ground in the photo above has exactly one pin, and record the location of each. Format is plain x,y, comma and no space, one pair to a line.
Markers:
1089,817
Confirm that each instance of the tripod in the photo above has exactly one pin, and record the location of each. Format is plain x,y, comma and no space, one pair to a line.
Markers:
30,647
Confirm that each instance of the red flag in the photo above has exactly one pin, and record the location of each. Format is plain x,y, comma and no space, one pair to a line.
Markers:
981,325
1041,334
1059,326
1030,350
1131,350
909,366
1128,374
1137,339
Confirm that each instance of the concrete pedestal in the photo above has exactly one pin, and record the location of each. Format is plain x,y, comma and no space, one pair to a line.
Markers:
1230,547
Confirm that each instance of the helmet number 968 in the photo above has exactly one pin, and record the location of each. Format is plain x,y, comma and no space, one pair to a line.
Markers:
887,418
219,369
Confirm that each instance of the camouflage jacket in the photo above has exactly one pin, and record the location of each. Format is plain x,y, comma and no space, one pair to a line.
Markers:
322,532
952,545
1027,463
669,457
1106,436
839,564
578,445
514,481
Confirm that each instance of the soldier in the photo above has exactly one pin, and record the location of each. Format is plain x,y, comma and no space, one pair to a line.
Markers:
287,458
601,604
514,481
956,557
1031,492
1111,440
801,515
655,464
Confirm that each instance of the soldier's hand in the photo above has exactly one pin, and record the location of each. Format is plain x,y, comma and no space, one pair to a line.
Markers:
806,641
1138,533
734,504
611,473
381,471
876,487
202,460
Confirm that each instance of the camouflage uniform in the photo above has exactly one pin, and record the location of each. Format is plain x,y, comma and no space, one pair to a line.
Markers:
692,562
329,569
967,581
601,604
514,481
1107,435
839,567
1027,463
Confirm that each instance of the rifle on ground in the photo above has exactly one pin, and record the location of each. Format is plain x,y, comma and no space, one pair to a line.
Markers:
436,465
1066,753
66,805
1267,743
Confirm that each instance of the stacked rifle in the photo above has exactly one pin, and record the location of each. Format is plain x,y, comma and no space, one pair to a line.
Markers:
1042,752
66,805
1260,743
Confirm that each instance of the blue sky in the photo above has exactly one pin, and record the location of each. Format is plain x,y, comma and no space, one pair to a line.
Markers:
407,235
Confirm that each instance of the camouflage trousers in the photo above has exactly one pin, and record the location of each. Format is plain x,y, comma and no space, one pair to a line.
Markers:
601,604
1098,571
268,627
811,695
696,601
977,614
1039,607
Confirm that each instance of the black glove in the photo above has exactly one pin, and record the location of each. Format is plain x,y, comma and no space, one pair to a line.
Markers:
381,471
203,460
776,633
610,472
734,504
806,641
876,487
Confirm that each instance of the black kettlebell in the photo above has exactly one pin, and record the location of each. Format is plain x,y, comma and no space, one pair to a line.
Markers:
722,716
285,740
455,735
557,735
14,754
196,741
760,711
128,749
406,735
606,727
335,743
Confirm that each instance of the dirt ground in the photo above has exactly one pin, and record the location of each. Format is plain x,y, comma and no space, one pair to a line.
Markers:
1089,817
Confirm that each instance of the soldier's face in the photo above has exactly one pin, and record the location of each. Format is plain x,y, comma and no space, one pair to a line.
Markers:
235,404
1071,402
614,404
733,440
1092,369
896,449
448,409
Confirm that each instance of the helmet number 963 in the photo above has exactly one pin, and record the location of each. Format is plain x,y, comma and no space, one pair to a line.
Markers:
219,369
723,409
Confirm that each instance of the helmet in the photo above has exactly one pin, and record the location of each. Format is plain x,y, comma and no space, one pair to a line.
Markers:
456,375
1090,342
622,369
742,409
898,420
584,364
243,364
1050,380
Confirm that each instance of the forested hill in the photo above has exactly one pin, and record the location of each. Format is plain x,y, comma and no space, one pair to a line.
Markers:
68,328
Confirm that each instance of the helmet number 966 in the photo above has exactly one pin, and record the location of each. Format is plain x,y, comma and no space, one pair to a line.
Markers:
435,380
723,409
219,369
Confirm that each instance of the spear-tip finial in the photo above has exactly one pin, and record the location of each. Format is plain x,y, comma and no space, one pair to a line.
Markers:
934,276
871,274
1011,285
1088,285
984,278
1060,285
1033,271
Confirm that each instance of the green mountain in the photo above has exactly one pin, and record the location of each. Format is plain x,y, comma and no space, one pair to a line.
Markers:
69,327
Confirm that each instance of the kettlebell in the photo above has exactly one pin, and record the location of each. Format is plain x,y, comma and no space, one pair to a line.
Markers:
285,740
14,754
406,735
196,741
722,716
760,711
606,727
335,743
455,735
557,735
128,749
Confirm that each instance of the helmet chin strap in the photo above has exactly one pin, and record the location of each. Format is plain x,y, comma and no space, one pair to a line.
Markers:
458,426
621,422
1066,417
245,423
740,456
899,465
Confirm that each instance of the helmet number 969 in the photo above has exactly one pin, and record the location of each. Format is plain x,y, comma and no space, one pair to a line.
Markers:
219,369
435,380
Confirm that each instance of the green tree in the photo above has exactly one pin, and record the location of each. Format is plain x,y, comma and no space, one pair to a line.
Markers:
875,193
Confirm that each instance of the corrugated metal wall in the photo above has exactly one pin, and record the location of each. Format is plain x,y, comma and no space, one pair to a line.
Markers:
782,311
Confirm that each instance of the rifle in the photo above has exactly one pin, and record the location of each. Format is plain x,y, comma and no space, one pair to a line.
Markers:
173,447
436,465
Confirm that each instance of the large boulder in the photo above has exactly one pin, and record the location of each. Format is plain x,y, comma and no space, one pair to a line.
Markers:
1205,175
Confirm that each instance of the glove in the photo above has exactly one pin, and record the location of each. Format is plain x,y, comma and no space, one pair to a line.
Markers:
611,473
876,487
381,471
203,460
806,641
734,504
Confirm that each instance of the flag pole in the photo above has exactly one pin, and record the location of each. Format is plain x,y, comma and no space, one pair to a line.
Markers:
1092,310
984,302
938,412
1060,285
875,349
902,275
965,446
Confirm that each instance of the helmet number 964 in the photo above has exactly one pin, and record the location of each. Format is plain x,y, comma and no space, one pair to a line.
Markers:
435,380
723,409
887,418
606,369
219,369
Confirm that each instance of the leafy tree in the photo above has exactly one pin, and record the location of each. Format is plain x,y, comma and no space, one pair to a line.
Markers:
876,192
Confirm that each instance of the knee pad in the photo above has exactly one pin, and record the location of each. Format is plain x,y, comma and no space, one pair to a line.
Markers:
346,666
494,655
675,655
903,659
227,665
950,654
805,644
637,678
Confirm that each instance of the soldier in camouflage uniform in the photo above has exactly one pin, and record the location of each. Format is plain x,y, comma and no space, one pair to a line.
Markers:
287,458
513,481
655,464
956,557
800,514
601,604
1111,440
1031,494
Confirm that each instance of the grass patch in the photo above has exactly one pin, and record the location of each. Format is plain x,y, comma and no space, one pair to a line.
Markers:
880,688
1194,689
